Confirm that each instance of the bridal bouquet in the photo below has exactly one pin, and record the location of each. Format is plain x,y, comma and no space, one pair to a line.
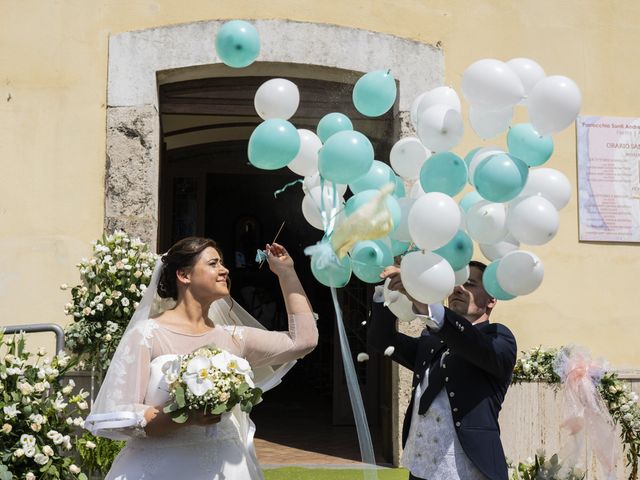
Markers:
211,380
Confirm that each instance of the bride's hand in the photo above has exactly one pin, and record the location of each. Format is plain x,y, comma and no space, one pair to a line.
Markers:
279,260
199,418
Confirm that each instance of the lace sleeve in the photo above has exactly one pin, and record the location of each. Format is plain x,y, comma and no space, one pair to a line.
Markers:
264,347
118,411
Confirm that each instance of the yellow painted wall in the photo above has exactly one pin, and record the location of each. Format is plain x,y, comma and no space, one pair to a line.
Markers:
53,74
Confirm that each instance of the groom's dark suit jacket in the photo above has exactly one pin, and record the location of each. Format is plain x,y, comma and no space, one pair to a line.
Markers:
473,363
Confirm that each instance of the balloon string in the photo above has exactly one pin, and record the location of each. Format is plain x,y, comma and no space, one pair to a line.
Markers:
290,184
359,414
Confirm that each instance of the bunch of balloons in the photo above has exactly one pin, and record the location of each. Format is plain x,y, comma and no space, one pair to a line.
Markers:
514,200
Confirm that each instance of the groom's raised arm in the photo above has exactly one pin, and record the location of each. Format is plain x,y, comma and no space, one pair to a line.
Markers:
382,333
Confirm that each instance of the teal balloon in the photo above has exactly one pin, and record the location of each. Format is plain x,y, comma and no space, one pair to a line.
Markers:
469,156
444,172
398,247
237,43
527,145
331,124
273,144
369,258
360,199
400,190
375,93
458,252
500,177
491,285
335,273
469,200
379,175
345,156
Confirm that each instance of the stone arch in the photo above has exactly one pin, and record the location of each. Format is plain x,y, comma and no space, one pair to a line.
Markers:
140,60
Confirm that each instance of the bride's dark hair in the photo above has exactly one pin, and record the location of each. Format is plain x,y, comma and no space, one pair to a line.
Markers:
182,255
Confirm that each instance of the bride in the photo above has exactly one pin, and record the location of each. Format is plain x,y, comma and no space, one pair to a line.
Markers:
196,311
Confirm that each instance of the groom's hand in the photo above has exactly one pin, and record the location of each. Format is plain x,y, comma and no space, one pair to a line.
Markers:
395,283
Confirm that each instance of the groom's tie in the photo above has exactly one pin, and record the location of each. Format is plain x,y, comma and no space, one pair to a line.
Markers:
436,381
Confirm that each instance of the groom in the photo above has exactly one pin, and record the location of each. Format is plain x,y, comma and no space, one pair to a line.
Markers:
462,366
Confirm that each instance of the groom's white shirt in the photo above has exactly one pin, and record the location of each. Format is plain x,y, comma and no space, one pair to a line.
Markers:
433,450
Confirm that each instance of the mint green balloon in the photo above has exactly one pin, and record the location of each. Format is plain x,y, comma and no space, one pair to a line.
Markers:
375,93
331,124
398,247
273,144
458,252
345,156
369,258
527,145
491,285
443,172
469,200
379,175
400,191
237,43
469,156
500,177
360,199
335,273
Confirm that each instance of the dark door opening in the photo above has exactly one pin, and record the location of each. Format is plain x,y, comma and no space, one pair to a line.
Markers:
208,188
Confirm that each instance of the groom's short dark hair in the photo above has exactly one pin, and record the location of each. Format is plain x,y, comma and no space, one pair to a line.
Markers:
479,265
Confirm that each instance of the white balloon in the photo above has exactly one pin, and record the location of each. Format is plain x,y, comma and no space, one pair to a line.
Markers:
277,98
529,73
311,205
491,84
314,181
462,275
533,220
434,220
478,157
414,110
554,104
398,303
416,190
520,272
306,161
427,277
407,157
550,184
440,128
489,123
402,231
439,96
498,250
486,222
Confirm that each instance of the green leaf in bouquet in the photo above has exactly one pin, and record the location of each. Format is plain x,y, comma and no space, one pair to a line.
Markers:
180,416
218,409
82,476
244,386
246,407
171,407
5,474
179,393
257,396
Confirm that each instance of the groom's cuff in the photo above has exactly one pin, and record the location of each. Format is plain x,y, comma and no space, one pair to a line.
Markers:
435,318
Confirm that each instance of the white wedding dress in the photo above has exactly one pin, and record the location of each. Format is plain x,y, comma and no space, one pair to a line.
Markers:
221,452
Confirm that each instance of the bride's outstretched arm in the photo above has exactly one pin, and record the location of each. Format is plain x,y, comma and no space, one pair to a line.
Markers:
263,347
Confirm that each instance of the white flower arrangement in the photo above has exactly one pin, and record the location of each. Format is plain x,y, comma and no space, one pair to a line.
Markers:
113,281
537,364
36,439
210,380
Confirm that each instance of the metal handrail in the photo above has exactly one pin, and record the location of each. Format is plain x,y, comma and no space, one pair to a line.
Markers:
39,327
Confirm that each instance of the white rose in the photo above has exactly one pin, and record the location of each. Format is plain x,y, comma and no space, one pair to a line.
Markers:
47,450
628,417
11,411
86,311
107,337
19,452
6,428
108,302
624,408
83,405
125,302
90,444
29,476
137,274
74,469
29,451
100,307
612,389
41,459
36,427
